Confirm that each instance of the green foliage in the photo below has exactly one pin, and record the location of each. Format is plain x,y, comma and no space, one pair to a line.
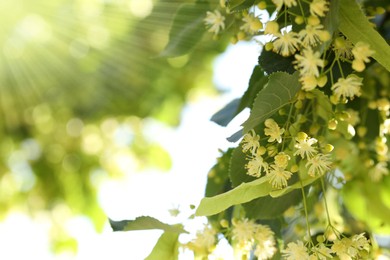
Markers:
354,25
226,114
279,91
272,62
243,193
186,31
167,247
145,222
256,83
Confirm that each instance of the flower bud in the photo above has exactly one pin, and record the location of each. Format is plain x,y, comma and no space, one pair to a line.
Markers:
332,124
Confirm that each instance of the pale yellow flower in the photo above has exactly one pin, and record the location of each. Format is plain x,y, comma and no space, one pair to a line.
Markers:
343,48
308,62
273,130
295,251
281,160
278,176
319,7
343,248
215,21
322,252
288,3
287,43
313,34
243,234
378,171
309,82
256,166
250,142
271,27
360,242
361,52
204,243
347,88
252,24
304,145
265,242
319,164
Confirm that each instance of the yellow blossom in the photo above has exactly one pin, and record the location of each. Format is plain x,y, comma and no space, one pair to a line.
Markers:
256,166
265,242
204,242
361,52
288,3
318,165
343,48
309,82
251,24
215,21
273,130
278,176
347,87
281,160
378,171
250,142
308,62
304,146
295,251
313,34
271,27
286,43
319,7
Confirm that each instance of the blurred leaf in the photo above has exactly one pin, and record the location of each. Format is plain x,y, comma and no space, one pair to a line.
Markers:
363,201
226,114
239,5
256,83
144,223
322,105
243,193
331,22
354,25
187,29
272,62
236,136
167,247
279,91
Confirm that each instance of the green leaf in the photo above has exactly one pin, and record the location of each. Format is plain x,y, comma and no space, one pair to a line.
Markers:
237,172
243,193
290,188
226,114
279,91
256,83
270,208
218,182
239,5
144,223
167,247
218,176
272,62
322,105
331,22
354,25
187,29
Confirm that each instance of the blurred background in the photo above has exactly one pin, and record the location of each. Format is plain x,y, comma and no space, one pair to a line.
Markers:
94,125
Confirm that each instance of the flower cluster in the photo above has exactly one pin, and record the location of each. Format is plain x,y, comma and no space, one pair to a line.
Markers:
336,104
247,234
356,247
